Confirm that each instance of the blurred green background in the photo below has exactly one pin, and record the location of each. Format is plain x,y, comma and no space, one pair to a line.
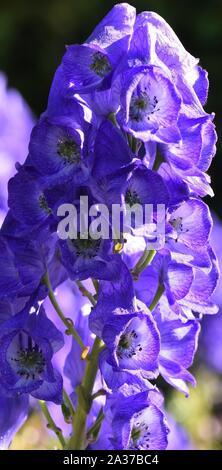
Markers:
33,34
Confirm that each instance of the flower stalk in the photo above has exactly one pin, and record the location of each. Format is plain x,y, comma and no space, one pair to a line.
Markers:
67,322
51,423
78,440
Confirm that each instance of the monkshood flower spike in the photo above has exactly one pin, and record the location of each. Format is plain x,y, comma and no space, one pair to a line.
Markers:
106,261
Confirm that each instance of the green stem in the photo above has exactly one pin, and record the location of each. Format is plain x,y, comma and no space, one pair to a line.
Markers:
134,145
158,295
158,161
69,403
51,423
130,139
112,118
96,285
67,322
101,392
143,262
78,440
95,428
85,292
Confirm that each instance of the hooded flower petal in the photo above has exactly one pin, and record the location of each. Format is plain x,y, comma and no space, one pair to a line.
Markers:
138,424
28,342
132,340
178,346
149,105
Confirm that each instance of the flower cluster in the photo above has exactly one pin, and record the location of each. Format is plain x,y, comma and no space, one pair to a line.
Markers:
124,124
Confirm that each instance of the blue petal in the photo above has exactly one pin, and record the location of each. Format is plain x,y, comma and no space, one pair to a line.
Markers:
13,413
50,391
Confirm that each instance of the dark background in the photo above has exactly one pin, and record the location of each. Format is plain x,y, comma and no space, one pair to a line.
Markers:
33,34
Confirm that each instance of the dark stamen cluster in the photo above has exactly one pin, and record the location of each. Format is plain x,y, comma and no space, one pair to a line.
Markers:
68,150
100,64
30,361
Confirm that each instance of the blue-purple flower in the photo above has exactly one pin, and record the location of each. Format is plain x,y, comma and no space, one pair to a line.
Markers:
13,414
28,342
150,105
132,341
137,423
86,66
57,151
